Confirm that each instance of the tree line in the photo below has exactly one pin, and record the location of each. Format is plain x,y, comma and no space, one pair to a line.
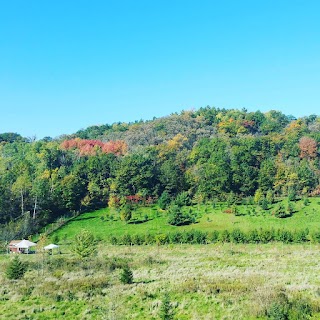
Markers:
208,154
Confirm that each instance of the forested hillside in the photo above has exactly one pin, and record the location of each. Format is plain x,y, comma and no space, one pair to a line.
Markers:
205,154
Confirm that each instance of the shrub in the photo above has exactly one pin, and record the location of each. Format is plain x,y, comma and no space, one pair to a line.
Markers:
176,237
315,236
126,239
166,312
213,237
300,310
178,218
224,236
183,199
280,212
237,236
300,236
16,269
279,308
292,194
161,239
126,213
306,201
200,237
126,276
149,238
264,204
164,200
84,244
266,236
137,239
284,236
290,209
253,236
270,197
114,240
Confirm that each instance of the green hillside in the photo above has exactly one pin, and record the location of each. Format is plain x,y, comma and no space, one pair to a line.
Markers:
206,155
105,223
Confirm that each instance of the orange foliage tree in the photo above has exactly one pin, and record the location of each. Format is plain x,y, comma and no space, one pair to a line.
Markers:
91,147
308,148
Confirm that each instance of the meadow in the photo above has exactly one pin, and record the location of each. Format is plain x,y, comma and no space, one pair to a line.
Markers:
106,222
221,281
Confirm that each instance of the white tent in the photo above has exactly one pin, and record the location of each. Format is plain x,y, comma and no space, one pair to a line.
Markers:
25,244
51,246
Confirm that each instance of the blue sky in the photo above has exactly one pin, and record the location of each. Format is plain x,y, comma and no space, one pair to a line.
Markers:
65,65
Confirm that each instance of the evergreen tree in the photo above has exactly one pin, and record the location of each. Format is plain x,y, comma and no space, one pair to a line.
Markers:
126,276
84,244
165,308
16,269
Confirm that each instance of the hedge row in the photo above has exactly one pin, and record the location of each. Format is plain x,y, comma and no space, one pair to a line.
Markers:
202,237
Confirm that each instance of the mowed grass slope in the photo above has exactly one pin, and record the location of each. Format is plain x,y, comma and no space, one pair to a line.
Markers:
106,222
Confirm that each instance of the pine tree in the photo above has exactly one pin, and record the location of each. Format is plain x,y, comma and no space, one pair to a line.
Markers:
16,269
126,276
165,309
84,244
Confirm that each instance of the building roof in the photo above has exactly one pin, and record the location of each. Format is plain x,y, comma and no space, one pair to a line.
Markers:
51,246
14,242
25,244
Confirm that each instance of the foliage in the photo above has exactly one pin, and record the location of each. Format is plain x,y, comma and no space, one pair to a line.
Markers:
16,269
211,153
179,218
164,200
126,213
84,244
126,276
166,312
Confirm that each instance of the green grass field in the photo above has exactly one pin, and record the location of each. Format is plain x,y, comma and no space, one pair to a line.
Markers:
220,281
106,222
214,281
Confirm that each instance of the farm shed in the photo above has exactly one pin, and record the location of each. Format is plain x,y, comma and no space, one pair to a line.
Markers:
12,246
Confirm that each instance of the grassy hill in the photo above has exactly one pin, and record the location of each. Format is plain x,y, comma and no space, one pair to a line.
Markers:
106,222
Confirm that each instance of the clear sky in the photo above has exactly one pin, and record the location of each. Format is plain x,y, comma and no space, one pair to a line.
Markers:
68,64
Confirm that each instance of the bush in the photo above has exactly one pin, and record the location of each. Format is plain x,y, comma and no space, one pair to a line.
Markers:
164,200
126,239
264,204
253,236
237,236
224,236
306,201
84,244
300,310
280,212
178,218
266,236
315,236
137,239
284,236
166,312
213,237
16,269
161,239
126,213
126,276
183,199
176,237
300,236
279,308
